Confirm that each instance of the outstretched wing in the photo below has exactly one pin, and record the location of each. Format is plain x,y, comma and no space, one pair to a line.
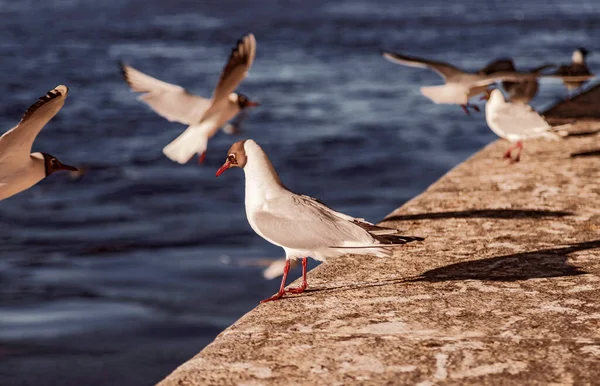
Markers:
445,70
236,69
168,100
19,140
497,66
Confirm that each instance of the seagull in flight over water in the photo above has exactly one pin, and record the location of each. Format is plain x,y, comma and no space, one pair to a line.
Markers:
19,168
204,116
459,85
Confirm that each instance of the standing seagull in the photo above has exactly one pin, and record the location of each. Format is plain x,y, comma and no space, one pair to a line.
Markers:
518,92
515,122
301,225
460,85
19,168
577,73
204,116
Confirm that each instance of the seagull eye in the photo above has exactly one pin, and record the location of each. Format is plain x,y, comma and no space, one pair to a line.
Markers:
53,162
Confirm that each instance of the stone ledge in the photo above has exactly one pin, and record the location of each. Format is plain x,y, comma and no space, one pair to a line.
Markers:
505,289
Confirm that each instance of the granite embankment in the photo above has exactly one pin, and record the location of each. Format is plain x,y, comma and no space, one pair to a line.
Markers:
504,290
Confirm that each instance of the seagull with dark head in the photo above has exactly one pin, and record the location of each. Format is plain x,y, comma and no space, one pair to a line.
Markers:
303,226
518,92
459,85
20,169
204,116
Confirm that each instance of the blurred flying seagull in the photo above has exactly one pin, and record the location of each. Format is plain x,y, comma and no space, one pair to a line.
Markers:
516,122
301,225
459,85
204,116
518,92
574,75
19,168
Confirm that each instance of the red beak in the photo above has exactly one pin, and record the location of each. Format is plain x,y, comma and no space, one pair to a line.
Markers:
252,104
225,166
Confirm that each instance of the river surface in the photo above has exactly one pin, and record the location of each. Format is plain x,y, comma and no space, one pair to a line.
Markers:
119,276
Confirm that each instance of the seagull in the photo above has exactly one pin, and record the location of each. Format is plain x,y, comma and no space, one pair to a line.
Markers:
303,226
577,73
204,116
516,122
19,168
460,85
518,92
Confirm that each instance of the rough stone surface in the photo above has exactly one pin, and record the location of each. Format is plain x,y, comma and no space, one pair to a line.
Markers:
504,290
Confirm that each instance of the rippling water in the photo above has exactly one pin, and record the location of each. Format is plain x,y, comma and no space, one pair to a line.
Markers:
121,275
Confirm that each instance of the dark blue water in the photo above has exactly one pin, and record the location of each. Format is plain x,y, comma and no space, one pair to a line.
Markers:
118,277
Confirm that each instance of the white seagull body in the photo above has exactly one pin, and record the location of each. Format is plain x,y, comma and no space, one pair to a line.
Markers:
302,225
516,122
459,85
19,168
204,116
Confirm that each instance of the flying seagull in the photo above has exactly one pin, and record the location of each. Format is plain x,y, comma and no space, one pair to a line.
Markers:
459,85
204,116
19,168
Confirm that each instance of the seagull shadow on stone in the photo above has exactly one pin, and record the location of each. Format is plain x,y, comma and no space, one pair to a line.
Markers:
587,133
589,153
482,213
543,263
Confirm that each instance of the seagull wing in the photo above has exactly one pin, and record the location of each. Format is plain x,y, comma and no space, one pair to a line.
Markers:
168,100
445,70
236,69
19,140
519,119
497,66
301,222
485,79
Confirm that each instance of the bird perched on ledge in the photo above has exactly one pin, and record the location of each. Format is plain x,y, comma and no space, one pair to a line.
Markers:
575,75
19,168
516,122
303,226
204,116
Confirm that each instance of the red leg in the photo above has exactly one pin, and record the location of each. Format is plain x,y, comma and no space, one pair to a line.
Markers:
299,290
281,292
465,109
520,147
202,157
507,155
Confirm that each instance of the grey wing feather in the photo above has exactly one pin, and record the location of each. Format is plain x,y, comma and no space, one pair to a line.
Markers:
168,100
446,70
520,119
19,139
299,222
236,69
